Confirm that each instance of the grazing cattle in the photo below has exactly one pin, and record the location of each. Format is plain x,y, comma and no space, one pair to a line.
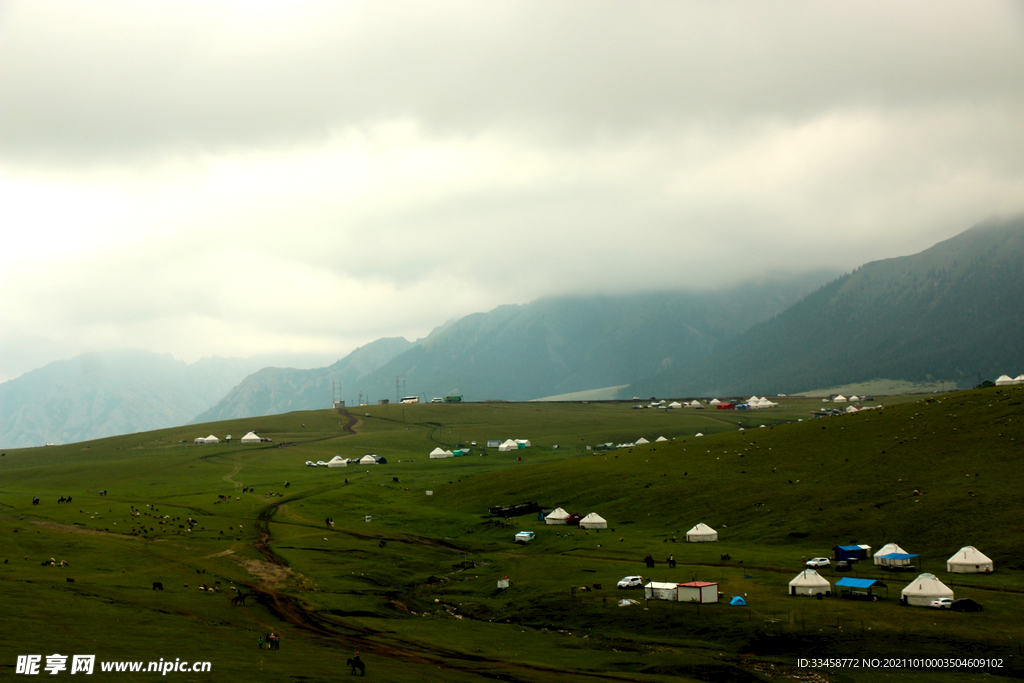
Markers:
725,557
356,664
49,563
35,500
157,586
70,580
103,492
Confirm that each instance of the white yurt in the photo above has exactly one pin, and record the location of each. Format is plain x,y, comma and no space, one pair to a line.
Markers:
1004,380
701,533
694,403
211,439
641,441
809,582
660,438
508,445
440,453
251,437
922,590
753,400
699,434
556,516
839,399
1019,379
969,560
887,549
855,398
593,521
675,404
714,402
369,460
337,461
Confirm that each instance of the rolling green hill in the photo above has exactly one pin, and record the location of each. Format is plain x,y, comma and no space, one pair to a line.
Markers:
409,579
954,312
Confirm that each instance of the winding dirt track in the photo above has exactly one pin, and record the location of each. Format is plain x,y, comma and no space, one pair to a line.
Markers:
358,638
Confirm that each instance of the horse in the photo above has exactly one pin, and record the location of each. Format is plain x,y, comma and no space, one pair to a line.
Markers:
356,664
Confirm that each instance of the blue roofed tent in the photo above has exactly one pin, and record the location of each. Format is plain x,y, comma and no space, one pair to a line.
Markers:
895,560
852,552
737,601
860,588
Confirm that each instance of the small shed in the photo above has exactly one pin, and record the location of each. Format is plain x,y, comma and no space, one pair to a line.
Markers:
656,590
701,533
922,590
969,560
493,443
809,582
851,553
593,521
697,591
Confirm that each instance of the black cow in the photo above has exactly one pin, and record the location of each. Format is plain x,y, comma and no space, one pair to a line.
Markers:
157,586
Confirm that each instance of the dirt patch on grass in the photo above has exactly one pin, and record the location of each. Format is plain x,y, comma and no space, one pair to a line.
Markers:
271,576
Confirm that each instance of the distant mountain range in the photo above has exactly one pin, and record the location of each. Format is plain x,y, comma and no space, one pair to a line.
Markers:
954,312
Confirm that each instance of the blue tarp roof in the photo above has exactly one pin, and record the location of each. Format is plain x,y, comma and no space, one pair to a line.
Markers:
850,582
849,547
897,556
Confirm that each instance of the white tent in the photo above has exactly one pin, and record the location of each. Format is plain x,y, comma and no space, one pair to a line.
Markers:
250,438
855,398
851,409
593,521
661,591
839,399
809,582
441,453
508,445
337,461
922,590
675,404
701,533
1019,379
372,460
641,441
699,434
694,403
1004,380
753,399
556,516
888,549
714,402
209,439
765,403
969,560
661,438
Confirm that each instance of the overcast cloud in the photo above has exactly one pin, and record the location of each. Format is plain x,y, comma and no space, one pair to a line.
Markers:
234,178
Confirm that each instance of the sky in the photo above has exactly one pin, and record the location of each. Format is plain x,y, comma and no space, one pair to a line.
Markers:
238,178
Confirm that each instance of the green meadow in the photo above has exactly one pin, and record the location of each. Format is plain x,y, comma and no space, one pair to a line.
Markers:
408,574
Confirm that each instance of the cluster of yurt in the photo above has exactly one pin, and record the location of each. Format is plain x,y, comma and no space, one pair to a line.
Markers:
441,453
207,439
370,459
760,402
513,445
701,533
1005,380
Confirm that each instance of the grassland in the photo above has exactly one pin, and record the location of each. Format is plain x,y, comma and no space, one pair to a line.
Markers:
415,588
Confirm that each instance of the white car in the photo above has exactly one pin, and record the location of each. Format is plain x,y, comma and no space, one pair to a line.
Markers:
818,562
631,582
942,603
